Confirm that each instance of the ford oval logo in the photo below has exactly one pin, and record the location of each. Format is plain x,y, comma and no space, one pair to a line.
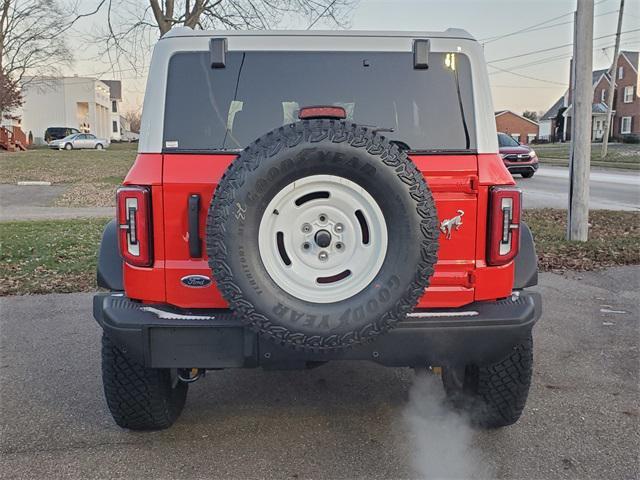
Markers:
196,281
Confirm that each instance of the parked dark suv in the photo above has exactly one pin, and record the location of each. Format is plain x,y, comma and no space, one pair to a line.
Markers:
56,133
517,158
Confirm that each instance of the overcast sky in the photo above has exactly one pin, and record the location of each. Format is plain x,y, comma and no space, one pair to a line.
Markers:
482,18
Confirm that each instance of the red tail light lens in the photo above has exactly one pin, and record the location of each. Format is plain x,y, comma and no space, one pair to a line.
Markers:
322,112
134,223
504,225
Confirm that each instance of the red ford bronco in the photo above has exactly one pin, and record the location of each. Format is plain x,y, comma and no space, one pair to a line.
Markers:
301,197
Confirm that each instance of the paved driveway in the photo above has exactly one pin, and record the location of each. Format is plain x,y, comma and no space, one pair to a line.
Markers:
344,420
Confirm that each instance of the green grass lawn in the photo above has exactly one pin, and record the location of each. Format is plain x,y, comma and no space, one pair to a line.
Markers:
60,256
92,174
49,256
619,155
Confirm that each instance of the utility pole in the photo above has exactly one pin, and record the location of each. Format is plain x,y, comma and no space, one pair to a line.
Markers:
580,154
612,84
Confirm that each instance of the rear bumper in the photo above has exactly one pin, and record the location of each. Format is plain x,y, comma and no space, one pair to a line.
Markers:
163,337
522,167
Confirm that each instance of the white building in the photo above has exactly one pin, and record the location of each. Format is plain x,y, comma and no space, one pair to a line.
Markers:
78,102
115,95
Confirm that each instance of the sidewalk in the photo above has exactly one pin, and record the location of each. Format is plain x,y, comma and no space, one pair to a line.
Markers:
31,202
52,213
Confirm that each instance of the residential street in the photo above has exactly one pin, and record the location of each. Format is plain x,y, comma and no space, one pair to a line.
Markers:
344,420
610,189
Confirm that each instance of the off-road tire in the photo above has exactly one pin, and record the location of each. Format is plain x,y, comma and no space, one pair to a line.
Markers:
322,147
139,398
527,174
493,395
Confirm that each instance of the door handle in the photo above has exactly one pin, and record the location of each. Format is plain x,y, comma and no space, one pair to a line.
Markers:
193,212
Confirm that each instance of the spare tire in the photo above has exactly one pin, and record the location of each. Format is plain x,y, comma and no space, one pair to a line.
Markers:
322,234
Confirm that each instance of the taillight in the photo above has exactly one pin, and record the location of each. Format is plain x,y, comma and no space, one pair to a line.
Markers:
322,112
134,225
504,224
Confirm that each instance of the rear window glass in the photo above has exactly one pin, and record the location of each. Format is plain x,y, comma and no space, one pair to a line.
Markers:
228,108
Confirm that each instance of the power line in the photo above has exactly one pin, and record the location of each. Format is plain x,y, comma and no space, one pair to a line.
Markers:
528,76
564,56
532,28
548,60
522,30
555,48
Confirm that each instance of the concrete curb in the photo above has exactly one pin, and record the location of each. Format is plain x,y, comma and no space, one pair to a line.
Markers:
34,183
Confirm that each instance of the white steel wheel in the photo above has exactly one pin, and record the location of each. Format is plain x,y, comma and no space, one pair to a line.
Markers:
323,239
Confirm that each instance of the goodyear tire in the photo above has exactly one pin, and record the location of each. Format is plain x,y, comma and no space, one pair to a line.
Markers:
322,235
494,395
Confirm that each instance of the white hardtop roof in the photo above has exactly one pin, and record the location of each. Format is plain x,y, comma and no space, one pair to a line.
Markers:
453,33
184,39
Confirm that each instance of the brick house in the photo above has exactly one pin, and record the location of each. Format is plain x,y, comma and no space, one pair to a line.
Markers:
555,124
520,128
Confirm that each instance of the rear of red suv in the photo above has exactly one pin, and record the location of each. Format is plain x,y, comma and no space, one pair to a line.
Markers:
300,198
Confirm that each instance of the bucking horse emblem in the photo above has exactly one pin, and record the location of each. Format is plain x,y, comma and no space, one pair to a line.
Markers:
448,225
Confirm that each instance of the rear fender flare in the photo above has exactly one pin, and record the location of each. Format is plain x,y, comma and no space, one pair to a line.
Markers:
526,262
109,259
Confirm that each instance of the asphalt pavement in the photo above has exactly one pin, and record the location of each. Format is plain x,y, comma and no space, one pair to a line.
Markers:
609,189
341,420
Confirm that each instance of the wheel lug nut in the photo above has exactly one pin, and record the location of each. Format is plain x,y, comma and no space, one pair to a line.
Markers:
339,246
322,217
306,227
339,228
306,245
323,256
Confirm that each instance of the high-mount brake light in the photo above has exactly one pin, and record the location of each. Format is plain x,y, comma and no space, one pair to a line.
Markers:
134,225
306,113
504,225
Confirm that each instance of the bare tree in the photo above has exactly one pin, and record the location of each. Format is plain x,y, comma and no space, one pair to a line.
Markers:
10,97
32,37
32,44
134,117
132,25
531,115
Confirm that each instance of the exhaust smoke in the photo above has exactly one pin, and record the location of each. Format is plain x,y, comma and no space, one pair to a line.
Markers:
441,439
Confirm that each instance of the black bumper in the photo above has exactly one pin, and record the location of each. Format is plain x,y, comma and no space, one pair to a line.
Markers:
529,167
163,337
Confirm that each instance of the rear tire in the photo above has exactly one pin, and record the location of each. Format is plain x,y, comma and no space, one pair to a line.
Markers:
495,394
139,398
527,174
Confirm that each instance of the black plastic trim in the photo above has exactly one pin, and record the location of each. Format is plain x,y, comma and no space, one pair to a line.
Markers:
109,259
193,213
218,52
526,262
217,339
523,168
421,48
